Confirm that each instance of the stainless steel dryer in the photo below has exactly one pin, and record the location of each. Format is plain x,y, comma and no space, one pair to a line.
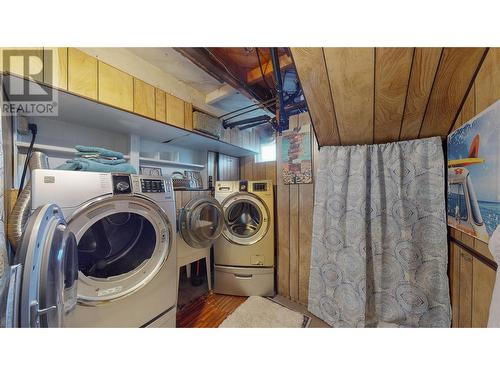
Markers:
124,232
244,254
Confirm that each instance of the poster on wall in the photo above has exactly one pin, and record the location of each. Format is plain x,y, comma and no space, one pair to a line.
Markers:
474,175
296,158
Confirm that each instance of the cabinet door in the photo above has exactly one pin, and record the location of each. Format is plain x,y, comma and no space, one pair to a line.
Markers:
116,88
161,105
188,116
144,99
465,290
175,111
25,62
482,289
82,73
55,72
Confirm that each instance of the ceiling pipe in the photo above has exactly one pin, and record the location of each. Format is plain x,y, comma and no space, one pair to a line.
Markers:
254,124
282,123
231,125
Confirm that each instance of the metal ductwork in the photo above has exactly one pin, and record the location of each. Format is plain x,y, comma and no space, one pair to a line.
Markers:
22,209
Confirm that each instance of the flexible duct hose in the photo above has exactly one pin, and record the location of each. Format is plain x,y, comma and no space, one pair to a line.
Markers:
22,208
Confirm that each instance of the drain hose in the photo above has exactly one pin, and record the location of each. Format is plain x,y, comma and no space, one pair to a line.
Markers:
22,208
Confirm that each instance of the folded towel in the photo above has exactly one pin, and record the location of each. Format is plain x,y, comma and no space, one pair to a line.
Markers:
89,165
103,160
103,152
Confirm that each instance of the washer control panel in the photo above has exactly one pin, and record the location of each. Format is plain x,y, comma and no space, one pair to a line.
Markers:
151,185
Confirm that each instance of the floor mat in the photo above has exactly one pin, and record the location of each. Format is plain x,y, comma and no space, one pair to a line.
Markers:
259,312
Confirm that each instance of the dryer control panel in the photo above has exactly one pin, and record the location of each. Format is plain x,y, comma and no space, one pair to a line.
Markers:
156,188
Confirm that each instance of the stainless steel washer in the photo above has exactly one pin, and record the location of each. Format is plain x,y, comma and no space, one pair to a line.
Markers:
124,231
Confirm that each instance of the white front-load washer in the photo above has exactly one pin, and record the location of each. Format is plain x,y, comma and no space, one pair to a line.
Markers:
244,253
124,230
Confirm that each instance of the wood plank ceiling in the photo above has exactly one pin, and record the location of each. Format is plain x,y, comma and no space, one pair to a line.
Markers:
379,95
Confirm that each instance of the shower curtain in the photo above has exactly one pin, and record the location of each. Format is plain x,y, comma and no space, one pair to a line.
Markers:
379,249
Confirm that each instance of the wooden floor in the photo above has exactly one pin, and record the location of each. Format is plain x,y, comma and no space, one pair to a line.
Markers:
208,311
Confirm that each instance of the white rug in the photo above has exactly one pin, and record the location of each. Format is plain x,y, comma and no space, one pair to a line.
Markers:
259,312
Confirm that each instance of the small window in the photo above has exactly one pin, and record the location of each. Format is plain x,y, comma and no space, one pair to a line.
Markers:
456,202
267,152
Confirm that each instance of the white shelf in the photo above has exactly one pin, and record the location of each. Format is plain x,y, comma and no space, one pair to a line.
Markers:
143,160
52,149
88,113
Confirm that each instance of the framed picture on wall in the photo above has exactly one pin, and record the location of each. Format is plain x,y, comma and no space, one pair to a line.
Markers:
150,171
474,175
296,156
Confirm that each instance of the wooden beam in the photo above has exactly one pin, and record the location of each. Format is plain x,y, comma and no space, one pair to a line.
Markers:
454,78
202,58
254,76
312,73
219,94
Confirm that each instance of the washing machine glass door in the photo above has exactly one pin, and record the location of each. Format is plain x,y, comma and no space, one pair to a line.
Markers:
201,222
246,218
47,271
123,241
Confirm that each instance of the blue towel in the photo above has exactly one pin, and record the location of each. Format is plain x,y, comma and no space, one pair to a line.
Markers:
99,150
89,165
103,161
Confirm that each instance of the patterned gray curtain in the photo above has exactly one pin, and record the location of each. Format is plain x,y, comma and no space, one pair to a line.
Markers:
379,249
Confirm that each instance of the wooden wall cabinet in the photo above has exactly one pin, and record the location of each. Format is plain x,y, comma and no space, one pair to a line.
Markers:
144,99
116,88
82,73
57,75
16,64
472,283
188,116
175,111
161,105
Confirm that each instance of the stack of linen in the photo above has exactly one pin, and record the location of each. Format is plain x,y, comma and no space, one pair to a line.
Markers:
97,159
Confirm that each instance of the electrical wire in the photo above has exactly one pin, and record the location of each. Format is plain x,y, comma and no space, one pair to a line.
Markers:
248,111
262,71
263,104
29,153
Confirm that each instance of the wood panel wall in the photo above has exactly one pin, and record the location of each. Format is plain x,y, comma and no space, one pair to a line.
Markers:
379,95
251,170
472,271
294,206
294,203
228,168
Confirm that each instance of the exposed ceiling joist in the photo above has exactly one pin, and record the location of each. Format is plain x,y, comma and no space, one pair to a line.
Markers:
204,59
255,75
